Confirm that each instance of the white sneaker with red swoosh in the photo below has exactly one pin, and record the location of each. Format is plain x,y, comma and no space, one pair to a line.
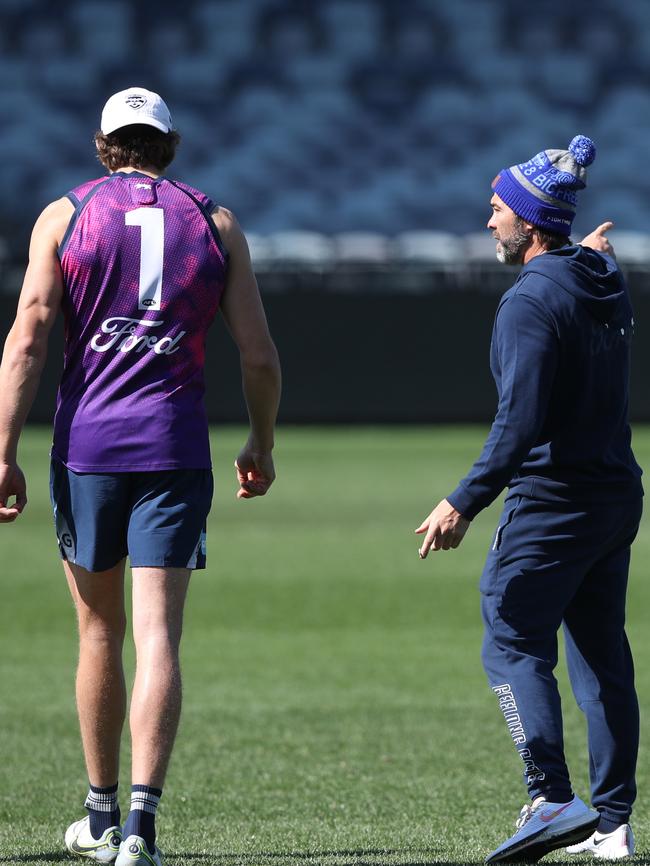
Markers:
543,827
607,846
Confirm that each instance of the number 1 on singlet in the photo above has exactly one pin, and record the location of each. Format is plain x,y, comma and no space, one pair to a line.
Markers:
152,250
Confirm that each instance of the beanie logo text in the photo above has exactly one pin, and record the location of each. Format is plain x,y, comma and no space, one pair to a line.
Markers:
551,185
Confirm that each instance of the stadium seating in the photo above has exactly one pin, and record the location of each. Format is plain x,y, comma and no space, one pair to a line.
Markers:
426,248
336,116
302,249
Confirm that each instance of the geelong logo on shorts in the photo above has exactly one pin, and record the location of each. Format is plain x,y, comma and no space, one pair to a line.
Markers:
65,537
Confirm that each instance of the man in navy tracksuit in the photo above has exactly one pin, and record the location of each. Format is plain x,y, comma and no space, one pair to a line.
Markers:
560,442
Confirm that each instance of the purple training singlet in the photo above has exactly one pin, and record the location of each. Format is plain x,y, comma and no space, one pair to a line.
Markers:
143,270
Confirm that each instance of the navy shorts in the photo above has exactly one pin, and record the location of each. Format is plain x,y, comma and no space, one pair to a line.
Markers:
158,519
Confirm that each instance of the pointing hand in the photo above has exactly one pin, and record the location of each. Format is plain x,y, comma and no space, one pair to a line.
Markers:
597,240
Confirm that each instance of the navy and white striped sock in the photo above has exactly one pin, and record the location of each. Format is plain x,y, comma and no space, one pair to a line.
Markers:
142,817
103,810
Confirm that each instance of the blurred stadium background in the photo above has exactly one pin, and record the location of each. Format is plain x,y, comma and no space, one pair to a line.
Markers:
336,710
356,141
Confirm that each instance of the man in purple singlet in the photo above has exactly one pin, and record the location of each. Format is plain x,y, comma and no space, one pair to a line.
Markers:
139,265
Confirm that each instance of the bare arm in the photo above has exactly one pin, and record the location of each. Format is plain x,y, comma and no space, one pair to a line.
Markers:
244,315
26,348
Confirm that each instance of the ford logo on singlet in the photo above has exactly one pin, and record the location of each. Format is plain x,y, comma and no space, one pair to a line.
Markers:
148,302
120,334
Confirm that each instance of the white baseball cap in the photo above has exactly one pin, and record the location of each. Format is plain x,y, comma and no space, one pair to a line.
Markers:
135,105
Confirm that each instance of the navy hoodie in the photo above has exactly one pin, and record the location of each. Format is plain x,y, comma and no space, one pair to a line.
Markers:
560,357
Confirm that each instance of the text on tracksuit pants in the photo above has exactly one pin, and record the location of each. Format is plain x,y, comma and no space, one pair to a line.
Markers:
556,563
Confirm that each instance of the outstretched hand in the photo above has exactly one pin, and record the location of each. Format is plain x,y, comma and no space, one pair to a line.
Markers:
12,483
444,527
597,240
255,473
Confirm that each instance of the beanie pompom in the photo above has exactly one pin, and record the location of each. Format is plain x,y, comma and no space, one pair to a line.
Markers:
583,150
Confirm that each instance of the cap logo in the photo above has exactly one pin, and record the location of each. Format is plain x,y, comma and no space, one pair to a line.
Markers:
136,100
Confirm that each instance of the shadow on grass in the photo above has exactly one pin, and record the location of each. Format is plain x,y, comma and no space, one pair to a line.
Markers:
350,857
367,857
43,857
640,858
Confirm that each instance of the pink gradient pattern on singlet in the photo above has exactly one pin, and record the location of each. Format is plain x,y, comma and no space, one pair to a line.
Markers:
131,394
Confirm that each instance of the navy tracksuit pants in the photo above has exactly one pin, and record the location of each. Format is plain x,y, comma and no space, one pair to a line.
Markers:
553,564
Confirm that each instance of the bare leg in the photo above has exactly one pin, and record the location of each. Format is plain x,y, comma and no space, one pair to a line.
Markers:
158,602
101,692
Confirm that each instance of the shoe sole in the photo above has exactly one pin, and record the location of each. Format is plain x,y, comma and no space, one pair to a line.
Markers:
533,848
597,854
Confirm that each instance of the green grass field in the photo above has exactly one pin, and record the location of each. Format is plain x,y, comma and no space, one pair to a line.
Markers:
335,707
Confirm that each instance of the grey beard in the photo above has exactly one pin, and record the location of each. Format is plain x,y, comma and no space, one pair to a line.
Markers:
510,250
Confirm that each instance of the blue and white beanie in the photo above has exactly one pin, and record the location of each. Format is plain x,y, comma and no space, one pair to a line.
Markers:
543,190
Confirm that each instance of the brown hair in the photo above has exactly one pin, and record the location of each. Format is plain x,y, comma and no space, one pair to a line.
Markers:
137,146
549,240
552,240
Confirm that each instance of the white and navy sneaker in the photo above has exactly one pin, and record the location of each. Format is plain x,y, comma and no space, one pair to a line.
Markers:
78,840
134,852
607,846
543,827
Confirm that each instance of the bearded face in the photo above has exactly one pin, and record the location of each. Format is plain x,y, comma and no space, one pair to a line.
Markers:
510,233
510,247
